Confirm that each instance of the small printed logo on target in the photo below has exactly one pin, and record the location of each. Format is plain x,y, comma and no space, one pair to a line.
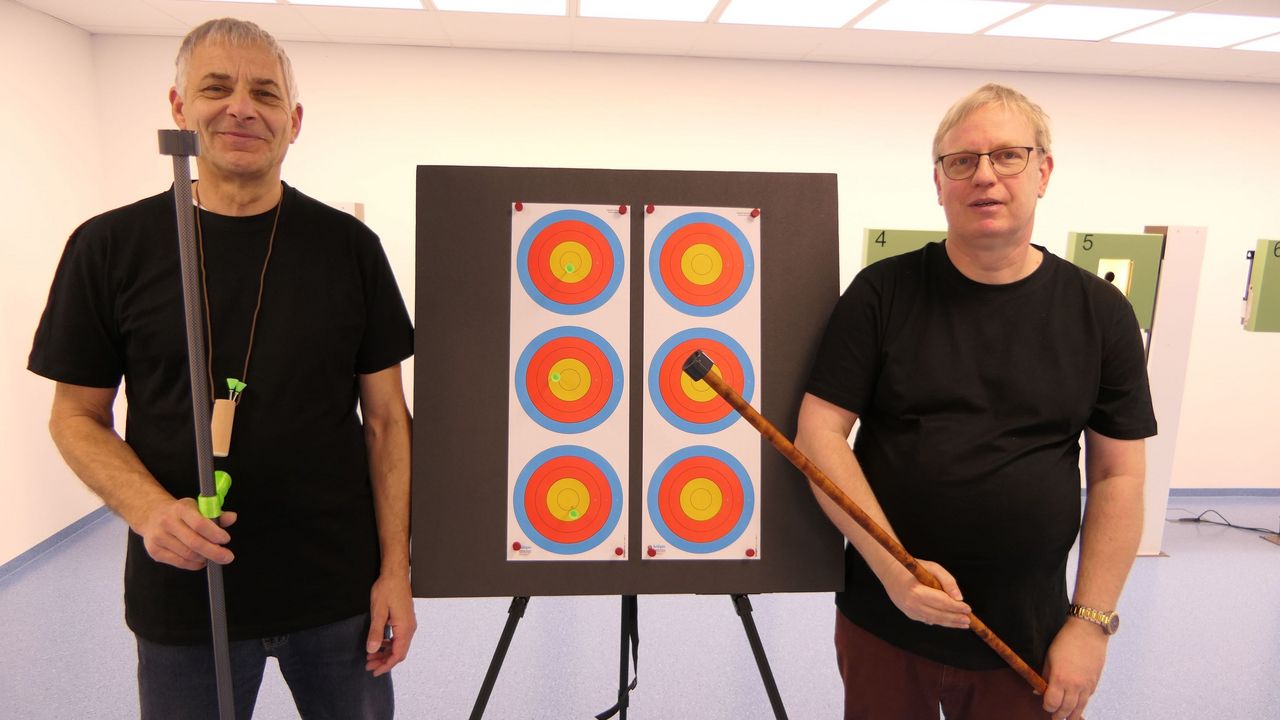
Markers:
520,549
655,550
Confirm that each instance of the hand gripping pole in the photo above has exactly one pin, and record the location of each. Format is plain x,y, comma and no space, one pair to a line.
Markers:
698,367
184,144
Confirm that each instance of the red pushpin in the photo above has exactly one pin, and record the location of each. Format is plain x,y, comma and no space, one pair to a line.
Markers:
515,546
751,552
649,208
519,206
651,551
755,212
622,209
618,551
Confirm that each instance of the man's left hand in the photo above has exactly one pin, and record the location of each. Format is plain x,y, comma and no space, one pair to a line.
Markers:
390,606
1072,669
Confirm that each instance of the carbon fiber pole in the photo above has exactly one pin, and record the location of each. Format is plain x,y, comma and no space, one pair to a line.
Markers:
183,144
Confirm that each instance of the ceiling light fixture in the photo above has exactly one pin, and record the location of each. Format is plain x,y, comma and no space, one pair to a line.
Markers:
939,16
794,13
1077,22
677,10
1206,30
511,7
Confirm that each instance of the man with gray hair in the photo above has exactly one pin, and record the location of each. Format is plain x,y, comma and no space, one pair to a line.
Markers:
303,324
972,367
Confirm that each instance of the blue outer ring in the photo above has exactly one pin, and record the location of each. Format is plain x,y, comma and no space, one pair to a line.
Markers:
522,262
655,370
522,486
522,392
655,269
748,500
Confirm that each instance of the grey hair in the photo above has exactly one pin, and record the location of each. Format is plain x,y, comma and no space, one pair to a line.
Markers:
237,33
999,96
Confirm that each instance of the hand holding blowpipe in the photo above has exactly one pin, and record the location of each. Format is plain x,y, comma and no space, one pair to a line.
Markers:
698,367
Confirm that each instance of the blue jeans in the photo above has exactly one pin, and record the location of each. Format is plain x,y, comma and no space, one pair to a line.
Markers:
323,666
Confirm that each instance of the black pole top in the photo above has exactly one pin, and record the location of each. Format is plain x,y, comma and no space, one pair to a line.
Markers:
698,365
179,142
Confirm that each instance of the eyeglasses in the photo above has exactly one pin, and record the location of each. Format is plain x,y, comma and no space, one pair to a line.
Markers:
1005,161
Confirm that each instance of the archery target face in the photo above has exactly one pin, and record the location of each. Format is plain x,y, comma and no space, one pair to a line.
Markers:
570,262
701,264
567,499
700,499
569,379
693,406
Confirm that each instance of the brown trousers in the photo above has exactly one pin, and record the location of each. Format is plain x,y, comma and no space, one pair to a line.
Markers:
882,682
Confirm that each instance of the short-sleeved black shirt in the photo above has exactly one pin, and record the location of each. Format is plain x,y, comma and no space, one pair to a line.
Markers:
971,400
306,541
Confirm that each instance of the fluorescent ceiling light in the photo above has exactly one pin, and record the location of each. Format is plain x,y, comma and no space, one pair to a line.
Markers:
939,16
391,4
1207,30
794,13
1077,22
682,10
514,7
1268,44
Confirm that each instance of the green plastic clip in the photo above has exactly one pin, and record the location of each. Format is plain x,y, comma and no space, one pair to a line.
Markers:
211,507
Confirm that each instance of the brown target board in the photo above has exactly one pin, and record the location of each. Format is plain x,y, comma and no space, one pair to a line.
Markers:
568,379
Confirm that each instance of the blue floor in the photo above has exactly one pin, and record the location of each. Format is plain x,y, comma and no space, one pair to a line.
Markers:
1201,639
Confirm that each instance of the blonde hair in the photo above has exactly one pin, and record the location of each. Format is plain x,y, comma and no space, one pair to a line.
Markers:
1000,96
237,33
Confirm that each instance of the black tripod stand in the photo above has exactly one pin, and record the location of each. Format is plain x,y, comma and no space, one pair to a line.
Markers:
629,645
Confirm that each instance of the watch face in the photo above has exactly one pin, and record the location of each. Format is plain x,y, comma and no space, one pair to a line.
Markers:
1113,623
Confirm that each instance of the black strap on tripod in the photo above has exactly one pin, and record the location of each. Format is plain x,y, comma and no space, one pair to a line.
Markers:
631,637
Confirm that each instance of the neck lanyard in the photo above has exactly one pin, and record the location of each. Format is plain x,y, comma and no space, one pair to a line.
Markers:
234,385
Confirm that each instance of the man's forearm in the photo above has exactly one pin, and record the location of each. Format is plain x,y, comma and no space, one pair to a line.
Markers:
108,466
389,473
831,453
1109,537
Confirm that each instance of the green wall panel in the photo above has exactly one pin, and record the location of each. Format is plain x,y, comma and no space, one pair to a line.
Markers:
879,244
1139,255
1262,312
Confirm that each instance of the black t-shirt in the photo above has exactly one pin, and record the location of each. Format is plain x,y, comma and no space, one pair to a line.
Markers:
971,400
306,541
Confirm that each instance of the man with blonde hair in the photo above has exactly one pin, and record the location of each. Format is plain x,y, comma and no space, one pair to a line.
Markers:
972,367
303,323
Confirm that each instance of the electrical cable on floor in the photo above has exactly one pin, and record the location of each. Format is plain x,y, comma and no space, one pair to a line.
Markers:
1225,522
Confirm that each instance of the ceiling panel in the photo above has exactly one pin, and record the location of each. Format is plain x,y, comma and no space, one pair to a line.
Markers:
529,32
116,16
526,32
352,25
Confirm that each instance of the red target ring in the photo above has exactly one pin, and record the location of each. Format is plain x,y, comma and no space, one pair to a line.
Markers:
549,361
694,406
568,501
717,247
728,503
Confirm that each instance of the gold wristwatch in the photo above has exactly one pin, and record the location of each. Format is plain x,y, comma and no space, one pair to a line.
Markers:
1109,621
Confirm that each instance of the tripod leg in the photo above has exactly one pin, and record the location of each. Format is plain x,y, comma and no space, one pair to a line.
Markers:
630,641
514,613
743,605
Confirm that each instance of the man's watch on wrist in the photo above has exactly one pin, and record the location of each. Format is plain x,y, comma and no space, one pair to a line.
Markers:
1108,620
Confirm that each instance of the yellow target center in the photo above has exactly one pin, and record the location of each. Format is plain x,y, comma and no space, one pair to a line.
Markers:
698,390
568,499
569,379
702,264
701,499
570,261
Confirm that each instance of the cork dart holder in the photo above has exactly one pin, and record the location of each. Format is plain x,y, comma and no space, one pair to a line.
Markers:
698,367
183,145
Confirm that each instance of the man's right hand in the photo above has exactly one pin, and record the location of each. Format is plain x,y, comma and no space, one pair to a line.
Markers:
175,533
945,607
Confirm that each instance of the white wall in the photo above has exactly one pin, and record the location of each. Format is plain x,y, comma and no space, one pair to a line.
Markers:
51,182
1130,152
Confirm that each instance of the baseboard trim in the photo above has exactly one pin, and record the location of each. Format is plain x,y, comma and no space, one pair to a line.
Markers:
51,542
